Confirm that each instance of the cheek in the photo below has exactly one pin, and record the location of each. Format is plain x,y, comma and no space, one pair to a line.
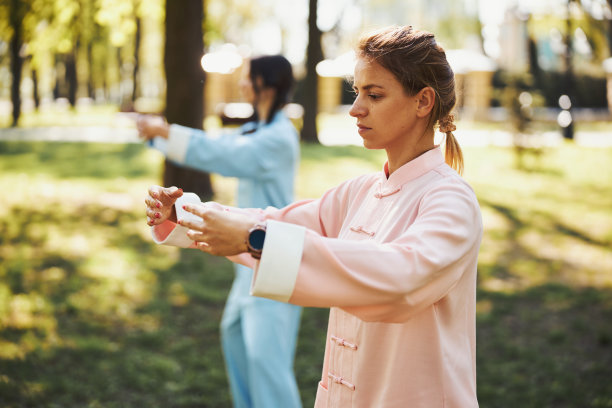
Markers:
387,114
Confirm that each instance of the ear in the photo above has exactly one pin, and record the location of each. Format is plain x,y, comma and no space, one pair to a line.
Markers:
426,98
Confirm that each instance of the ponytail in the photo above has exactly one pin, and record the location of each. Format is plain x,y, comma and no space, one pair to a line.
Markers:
452,151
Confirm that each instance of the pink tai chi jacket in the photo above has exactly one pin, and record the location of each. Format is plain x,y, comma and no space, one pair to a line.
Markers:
395,258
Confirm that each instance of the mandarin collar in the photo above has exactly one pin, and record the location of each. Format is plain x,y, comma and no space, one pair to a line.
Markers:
415,168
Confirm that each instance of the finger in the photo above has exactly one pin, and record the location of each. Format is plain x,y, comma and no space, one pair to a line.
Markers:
197,236
155,191
203,246
199,209
193,225
152,203
153,221
153,214
170,193
174,192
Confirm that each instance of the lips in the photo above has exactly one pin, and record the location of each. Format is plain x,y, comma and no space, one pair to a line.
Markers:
362,129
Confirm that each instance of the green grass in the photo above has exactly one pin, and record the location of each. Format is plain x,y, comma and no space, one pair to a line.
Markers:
93,314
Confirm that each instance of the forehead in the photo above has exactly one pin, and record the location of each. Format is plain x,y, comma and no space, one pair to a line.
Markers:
369,72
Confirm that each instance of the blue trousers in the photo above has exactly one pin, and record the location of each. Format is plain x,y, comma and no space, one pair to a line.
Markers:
258,337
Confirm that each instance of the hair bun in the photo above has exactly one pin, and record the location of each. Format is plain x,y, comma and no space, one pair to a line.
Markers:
446,124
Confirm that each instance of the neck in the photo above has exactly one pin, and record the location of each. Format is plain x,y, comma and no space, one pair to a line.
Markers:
264,109
397,157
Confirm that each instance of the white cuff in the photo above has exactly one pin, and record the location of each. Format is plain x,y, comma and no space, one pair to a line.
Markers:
178,142
276,274
177,237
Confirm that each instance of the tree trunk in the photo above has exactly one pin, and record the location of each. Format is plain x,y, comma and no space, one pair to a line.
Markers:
90,78
314,54
71,77
16,62
35,88
136,60
185,85
610,29
568,131
534,65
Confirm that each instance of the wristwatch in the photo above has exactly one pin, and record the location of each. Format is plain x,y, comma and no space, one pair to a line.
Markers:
255,240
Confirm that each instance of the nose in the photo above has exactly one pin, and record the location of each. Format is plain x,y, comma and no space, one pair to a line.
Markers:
357,108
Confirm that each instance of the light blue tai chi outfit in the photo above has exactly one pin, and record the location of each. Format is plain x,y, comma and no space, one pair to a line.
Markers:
258,335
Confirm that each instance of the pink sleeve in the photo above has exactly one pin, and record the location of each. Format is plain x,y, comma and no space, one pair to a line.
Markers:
324,215
392,281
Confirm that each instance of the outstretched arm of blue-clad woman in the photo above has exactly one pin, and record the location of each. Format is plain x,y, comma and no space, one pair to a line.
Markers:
257,155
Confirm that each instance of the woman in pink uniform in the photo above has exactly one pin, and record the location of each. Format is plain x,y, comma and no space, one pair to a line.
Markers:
392,254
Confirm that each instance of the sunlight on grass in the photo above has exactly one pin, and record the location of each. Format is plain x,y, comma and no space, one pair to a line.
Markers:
322,167
91,310
64,115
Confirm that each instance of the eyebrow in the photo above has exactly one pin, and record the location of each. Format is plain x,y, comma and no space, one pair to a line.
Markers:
369,86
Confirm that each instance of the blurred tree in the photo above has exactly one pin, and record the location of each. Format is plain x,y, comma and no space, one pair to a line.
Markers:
609,29
16,12
586,22
568,131
519,96
121,20
314,54
137,42
66,24
456,26
87,35
185,85
532,52
232,21
595,28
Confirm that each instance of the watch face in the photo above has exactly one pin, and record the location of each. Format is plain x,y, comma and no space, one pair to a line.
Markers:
256,239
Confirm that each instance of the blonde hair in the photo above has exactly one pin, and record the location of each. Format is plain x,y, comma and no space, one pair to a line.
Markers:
418,61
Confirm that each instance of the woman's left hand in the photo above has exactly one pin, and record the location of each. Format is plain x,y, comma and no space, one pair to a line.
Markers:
220,232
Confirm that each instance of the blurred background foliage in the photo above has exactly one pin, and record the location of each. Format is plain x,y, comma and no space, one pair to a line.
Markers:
93,314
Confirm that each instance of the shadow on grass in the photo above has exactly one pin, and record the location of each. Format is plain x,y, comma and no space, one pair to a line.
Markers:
93,314
518,259
81,330
541,344
548,346
75,334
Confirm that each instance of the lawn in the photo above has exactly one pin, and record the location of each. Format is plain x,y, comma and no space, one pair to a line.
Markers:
92,314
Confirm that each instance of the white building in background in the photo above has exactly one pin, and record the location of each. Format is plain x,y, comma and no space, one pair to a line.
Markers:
513,44
423,14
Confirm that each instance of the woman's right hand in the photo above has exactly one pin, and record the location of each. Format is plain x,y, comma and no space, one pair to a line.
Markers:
160,204
150,126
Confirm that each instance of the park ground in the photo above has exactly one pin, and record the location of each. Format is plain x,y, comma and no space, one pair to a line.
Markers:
93,314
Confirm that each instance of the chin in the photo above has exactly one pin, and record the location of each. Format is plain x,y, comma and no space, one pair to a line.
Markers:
370,145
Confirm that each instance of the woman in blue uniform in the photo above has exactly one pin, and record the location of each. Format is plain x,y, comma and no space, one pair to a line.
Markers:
258,335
